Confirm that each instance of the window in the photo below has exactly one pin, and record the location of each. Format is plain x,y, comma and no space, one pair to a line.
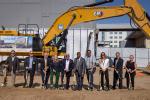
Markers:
115,42
111,32
111,46
115,32
111,41
120,33
115,37
115,46
111,37
120,37
103,36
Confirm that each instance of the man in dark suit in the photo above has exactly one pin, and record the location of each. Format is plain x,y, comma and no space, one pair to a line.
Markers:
30,67
118,70
45,69
13,63
67,65
79,68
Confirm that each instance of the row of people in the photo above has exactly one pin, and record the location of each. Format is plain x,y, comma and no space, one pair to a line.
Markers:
67,67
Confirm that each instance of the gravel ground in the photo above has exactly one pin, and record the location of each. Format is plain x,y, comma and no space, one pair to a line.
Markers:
141,92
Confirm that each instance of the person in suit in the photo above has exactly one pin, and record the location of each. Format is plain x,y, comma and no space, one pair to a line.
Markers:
13,64
118,70
90,68
67,64
104,70
45,69
130,67
79,69
62,72
30,67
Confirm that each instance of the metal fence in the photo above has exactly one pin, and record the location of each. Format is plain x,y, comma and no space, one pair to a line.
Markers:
142,55
77,41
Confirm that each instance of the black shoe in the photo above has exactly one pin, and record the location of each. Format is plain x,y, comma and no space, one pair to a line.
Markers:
46,86
103,88
43,86
120,87
114,87
30,86
67,87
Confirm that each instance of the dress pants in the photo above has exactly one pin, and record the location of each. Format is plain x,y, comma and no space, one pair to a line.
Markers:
62,73
43,77
106,75
68,75
47,77
29,77
117,76
130,78
57,74
89,74
79,79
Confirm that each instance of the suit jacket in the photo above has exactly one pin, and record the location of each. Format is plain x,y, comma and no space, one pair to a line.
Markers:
43,63
12,64
34,63
119,64
82,66
71,65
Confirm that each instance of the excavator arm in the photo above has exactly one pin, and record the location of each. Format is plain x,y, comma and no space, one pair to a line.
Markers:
88,13
82,14
139,16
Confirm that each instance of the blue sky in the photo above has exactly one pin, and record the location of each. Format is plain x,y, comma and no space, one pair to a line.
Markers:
124,19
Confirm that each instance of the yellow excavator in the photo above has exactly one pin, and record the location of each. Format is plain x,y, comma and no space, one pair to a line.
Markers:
91,12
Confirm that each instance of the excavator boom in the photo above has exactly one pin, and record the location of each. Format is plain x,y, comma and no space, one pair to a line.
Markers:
82,14
76,15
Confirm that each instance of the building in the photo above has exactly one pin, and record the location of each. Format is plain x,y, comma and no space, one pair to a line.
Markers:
111,35
137,39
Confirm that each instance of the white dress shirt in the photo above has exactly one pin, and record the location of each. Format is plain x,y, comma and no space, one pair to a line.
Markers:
13,59
104,64
67,65
30,62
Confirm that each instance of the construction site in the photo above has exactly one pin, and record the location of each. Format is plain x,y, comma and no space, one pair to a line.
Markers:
58,29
